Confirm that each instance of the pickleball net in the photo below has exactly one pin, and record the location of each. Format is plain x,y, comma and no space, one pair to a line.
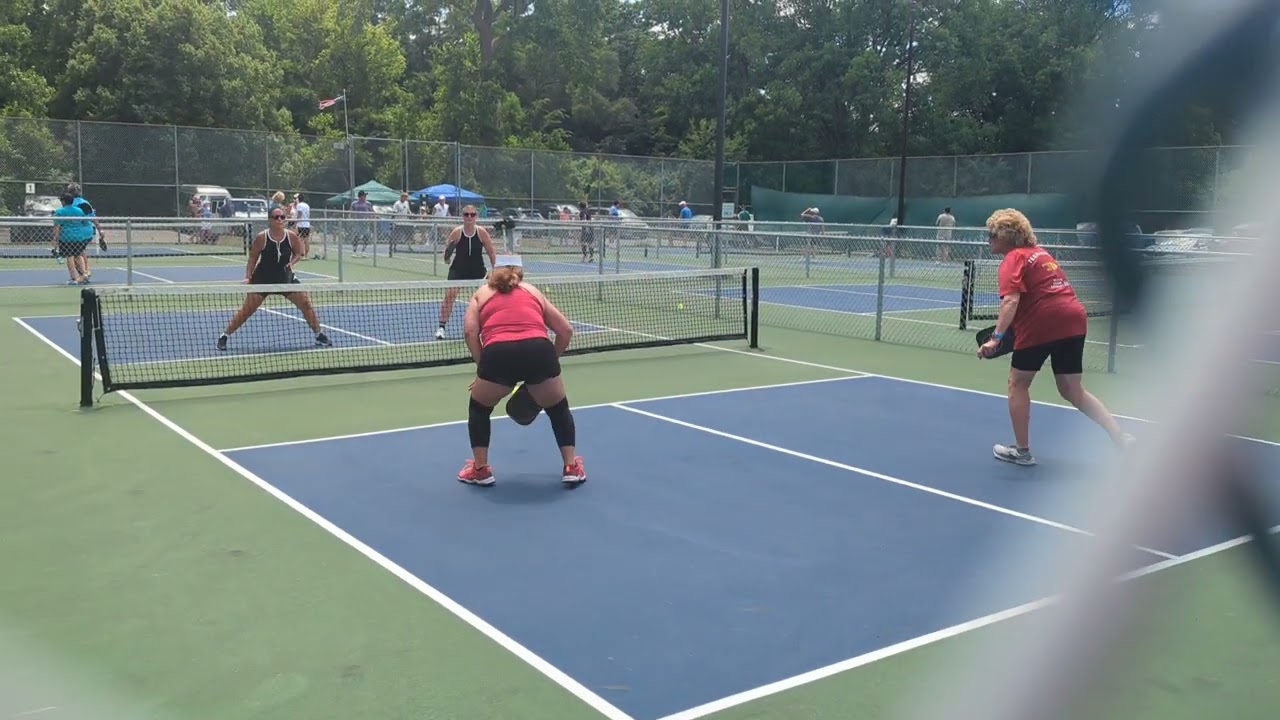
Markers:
165,336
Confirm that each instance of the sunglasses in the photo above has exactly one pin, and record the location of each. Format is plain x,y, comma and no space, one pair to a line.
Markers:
277,217
468,214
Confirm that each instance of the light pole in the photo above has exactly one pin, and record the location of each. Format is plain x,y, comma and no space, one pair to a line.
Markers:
718,198
906,114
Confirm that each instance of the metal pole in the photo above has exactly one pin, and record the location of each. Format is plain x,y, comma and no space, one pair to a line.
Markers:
177,178
351,148
906,115
720,127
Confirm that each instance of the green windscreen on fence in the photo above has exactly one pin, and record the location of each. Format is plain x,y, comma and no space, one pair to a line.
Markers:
1045,210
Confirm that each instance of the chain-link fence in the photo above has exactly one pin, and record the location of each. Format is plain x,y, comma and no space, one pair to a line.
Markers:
153,170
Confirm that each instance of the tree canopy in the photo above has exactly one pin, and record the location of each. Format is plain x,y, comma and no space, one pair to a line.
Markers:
808,79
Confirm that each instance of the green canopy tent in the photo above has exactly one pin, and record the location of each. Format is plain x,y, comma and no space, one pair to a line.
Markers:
379,194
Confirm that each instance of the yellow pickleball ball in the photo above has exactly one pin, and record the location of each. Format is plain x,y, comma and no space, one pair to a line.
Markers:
679,306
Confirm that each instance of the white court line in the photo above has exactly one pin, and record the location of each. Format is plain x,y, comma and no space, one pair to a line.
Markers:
703,393
806,363
918,642
878,476
537,662
139,272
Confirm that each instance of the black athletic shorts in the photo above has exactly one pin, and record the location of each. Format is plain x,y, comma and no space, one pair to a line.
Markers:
287,279
1067,356
466,271
510,363
72,248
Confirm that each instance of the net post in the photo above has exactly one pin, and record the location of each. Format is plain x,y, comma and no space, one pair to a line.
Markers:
86,347
966,294
754,334
880,300
100,341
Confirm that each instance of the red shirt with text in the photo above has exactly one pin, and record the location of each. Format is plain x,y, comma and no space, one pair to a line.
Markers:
1048,308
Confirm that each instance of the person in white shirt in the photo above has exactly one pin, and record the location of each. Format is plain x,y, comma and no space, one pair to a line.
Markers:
302,223
442,207
945,222
401,229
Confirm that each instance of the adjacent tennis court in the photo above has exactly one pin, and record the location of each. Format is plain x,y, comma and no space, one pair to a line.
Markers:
784,531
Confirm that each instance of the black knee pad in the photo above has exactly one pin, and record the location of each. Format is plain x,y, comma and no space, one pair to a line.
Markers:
562,423
478,426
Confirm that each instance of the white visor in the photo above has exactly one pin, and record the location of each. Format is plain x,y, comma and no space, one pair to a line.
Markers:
509,261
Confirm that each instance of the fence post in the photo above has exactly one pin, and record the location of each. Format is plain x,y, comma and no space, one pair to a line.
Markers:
79,156
128,250
880,300
177,177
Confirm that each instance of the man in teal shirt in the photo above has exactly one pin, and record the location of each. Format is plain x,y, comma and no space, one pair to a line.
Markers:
72,231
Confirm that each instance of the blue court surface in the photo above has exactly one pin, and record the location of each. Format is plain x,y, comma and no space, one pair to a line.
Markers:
725,540
230,272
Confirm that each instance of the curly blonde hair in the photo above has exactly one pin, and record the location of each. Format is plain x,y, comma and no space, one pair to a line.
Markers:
1011,229
505,279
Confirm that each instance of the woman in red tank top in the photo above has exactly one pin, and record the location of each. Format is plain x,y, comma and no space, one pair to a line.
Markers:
1048,323
506,331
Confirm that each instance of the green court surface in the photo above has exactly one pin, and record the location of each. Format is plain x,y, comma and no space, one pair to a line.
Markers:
147,578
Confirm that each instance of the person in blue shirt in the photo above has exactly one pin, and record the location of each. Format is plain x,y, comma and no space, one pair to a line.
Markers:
72,231
77,199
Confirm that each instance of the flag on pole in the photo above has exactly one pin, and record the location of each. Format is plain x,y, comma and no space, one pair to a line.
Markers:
330,103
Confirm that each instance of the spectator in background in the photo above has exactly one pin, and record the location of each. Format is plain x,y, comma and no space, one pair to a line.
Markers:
686,213
302,216
744,218
588,238
442,207
945,222
193,207
277,201
363,210
402,213
615,211
814,218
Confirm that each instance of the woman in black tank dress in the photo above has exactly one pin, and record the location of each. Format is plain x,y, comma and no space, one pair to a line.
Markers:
467,245
271,259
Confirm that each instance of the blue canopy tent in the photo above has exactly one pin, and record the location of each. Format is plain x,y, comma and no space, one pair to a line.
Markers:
452,192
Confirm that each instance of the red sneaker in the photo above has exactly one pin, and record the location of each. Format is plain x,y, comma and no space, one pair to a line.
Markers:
473,475
575,473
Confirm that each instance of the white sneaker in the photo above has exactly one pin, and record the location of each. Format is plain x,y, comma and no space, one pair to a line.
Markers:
440,333
1011,454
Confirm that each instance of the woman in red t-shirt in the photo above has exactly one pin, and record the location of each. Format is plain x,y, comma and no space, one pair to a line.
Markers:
1049,323
506,331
